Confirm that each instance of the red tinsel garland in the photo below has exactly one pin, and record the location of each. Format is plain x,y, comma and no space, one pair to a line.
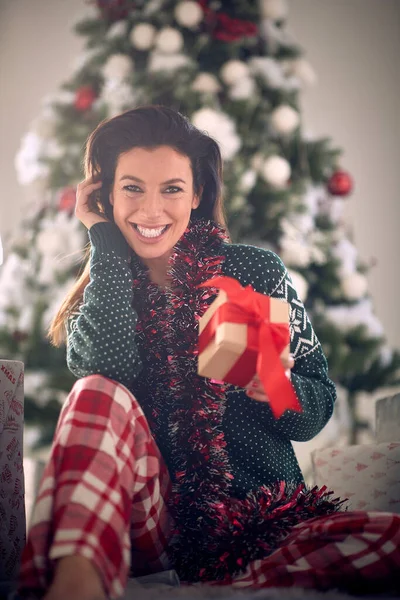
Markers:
216,535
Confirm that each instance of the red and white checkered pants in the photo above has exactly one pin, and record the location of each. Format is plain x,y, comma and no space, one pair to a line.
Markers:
103,496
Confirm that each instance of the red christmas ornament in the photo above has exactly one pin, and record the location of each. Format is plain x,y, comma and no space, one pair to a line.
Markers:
67,199
340,183
84,98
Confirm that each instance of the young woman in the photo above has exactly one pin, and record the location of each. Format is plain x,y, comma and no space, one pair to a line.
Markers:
152,466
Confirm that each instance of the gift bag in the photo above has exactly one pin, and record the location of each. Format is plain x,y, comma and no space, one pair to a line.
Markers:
12,510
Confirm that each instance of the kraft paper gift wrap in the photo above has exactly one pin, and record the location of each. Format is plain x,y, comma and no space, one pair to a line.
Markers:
12,509
244,333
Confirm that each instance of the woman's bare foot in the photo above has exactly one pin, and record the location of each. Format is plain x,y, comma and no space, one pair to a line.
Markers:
75,578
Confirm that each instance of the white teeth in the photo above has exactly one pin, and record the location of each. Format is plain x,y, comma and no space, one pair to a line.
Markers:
151,233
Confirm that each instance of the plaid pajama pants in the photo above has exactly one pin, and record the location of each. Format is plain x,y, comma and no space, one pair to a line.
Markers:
103,496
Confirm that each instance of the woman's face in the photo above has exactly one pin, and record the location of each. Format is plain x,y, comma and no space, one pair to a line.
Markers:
152,197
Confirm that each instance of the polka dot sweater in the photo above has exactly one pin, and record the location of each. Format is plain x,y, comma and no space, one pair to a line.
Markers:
101,339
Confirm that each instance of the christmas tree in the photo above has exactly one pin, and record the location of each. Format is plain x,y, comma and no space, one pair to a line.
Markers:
235,71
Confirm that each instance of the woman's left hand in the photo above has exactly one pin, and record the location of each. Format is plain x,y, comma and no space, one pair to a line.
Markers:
255,388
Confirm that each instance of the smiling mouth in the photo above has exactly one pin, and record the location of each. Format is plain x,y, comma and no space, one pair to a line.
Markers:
150,232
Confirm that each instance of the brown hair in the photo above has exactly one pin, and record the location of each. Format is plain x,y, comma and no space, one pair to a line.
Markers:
144,127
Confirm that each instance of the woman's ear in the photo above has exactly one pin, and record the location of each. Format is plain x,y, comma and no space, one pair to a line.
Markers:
197,199
195,202
111,199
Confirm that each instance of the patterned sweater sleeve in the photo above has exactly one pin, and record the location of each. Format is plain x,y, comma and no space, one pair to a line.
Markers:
265,271
101,335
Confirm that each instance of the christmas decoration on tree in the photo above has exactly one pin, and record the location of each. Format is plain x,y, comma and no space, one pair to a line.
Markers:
340,184
236,72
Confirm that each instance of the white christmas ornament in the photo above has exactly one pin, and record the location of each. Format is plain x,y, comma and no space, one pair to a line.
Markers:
142,36
118,66
206,83
159,61
244,89
169,40
221,127
189,14
234,70
354,286
285,119
274,9
300,284
276,171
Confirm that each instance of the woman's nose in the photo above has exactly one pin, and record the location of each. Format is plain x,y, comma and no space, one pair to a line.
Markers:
152,205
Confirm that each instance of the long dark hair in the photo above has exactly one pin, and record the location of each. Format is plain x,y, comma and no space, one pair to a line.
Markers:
145,127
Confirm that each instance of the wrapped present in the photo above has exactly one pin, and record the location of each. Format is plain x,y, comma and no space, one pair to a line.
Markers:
244,333
12,509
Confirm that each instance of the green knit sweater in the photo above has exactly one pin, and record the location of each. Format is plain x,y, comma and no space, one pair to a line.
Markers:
101,339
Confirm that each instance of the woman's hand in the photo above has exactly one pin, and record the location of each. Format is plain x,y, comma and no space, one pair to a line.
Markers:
83,211
255,389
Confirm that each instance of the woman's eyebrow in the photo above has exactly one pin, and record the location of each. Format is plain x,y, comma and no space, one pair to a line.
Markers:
133,178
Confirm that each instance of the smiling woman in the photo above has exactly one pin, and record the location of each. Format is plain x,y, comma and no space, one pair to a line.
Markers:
153,466
166,147
154,210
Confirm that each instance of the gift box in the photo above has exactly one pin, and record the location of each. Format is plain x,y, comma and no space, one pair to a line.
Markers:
12,509
244,333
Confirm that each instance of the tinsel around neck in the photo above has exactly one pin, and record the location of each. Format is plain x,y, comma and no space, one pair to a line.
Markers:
216,535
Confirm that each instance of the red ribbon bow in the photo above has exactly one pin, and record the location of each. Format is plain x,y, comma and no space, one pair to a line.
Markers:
250,307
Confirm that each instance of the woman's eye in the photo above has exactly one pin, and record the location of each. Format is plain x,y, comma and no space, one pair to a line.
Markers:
132,188
173,189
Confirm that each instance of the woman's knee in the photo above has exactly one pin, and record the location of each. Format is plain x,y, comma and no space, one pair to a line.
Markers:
104,396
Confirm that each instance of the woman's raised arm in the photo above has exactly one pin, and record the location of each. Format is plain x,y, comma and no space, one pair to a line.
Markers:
101,335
